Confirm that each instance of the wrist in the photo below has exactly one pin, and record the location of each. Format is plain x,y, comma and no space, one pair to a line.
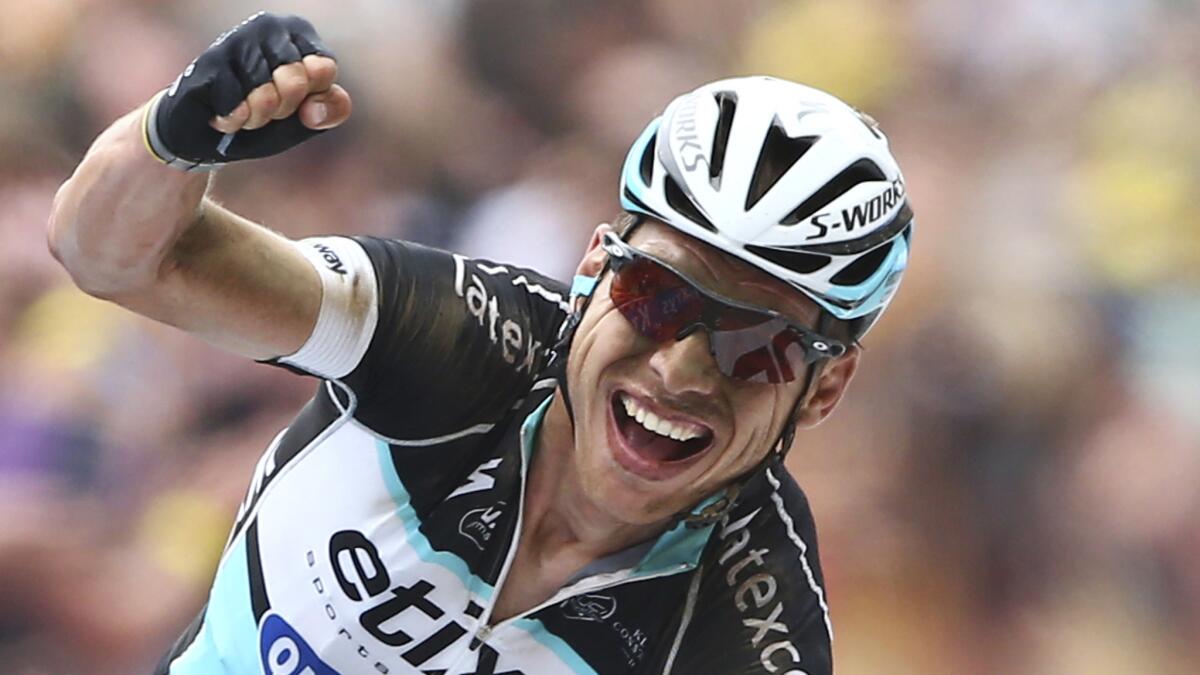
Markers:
119,183
153,142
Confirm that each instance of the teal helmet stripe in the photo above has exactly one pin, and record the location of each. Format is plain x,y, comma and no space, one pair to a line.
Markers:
633,194
895,261
874,292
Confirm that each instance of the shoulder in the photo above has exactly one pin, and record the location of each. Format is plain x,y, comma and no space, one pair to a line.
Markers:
513,311
458,339
396,256
763,583
766,549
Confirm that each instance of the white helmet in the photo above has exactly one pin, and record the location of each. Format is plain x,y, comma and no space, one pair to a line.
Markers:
786,177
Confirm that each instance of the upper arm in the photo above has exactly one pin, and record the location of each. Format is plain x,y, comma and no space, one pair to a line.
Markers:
451,341
235,284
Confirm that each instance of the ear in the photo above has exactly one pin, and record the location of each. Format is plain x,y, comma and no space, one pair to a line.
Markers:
832,380
593,259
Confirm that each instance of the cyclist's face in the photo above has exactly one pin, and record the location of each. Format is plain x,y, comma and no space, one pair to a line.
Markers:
707,428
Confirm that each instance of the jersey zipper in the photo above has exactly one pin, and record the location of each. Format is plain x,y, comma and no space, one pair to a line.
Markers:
484,630
593,583
598,582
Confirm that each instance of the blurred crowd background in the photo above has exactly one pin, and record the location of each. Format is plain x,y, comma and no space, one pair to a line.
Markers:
1013,483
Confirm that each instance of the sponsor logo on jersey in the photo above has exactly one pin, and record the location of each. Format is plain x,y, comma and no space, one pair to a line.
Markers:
479,524
285,652
590,607
517,345
863,216
480,480
400,617
633,642
755,596
600,608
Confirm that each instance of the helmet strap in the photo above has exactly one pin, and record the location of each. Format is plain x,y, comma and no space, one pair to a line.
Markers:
582,288
581,296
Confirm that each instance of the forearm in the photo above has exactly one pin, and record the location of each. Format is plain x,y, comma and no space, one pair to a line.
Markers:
132,230
115,220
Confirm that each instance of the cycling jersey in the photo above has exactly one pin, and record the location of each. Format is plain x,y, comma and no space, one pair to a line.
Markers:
379,525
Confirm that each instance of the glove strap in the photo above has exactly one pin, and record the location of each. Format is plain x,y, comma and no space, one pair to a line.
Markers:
158,149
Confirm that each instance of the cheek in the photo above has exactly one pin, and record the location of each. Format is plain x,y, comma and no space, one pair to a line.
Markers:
600,343
603,350
762,412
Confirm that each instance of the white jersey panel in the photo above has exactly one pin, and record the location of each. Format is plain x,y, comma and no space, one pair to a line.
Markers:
348,569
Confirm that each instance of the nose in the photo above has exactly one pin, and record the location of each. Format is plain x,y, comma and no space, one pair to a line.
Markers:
686,366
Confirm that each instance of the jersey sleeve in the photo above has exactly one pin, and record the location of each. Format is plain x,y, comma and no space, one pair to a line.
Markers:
425,342
758,604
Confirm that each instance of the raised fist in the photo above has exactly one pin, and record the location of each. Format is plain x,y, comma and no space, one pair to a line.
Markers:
259,89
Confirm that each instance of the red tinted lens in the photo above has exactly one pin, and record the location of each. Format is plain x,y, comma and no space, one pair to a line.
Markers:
655,300
734,318
746,345
768,352
755,366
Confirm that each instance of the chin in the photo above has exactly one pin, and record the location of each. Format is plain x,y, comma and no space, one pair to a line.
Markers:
628,497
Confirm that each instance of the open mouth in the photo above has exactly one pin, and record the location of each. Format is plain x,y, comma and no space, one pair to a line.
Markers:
652,445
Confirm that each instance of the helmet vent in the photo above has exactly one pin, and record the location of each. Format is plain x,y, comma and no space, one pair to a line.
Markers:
860,270
796,261
779,152
727,101
646,166
677,200
862,171
639,204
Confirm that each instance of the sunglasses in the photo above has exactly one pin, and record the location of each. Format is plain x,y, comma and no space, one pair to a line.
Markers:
748,343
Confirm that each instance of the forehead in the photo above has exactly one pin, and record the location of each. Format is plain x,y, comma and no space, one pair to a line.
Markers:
721,272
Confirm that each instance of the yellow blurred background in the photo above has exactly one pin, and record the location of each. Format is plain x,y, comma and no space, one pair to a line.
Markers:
1012,485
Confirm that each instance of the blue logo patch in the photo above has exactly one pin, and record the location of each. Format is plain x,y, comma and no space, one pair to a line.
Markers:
284,652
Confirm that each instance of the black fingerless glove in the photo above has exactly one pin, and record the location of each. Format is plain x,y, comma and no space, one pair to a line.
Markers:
176,124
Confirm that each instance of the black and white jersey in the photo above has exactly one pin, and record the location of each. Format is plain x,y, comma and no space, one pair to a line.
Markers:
379,525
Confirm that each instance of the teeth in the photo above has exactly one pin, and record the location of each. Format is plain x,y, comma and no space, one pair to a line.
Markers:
653,422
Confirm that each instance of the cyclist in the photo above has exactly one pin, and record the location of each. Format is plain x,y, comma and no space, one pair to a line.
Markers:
499,474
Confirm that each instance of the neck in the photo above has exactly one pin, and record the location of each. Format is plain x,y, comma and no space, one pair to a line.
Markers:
558,513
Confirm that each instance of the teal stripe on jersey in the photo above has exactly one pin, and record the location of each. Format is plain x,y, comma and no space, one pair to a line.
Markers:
228,640
404,510
530,429
561,649
678,548
200,657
